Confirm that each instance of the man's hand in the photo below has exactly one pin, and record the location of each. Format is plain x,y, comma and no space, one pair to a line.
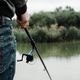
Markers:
23,21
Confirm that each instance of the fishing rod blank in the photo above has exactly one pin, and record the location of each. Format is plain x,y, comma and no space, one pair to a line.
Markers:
34,47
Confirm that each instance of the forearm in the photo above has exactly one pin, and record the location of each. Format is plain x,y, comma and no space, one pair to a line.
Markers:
21,12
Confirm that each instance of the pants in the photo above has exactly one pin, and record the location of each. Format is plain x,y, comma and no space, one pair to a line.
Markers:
7,52
8,74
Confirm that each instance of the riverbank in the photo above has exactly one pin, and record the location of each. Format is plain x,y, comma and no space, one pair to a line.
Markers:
54,34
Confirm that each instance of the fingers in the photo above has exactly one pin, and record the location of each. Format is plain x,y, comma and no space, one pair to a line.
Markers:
24,22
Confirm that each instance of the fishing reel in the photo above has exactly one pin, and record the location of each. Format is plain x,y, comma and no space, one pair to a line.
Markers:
29,57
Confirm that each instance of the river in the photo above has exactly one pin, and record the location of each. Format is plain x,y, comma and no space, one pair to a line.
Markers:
61,59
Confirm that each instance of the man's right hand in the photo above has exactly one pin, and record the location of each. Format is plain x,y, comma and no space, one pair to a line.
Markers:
23,21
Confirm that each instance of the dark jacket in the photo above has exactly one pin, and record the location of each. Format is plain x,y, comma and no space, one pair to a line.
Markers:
10,7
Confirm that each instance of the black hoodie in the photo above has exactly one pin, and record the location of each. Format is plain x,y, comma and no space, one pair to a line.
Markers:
10,7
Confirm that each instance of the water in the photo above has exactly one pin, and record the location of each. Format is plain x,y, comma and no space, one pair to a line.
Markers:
61,59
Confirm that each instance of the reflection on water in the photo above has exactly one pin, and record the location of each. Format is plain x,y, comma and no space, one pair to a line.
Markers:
61,59
54,50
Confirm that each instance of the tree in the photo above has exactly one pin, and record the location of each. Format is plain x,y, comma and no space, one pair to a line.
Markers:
42,19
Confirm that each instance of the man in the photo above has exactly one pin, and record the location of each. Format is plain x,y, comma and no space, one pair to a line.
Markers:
7,39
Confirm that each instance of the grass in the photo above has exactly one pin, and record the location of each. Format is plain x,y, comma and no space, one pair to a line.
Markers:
53,34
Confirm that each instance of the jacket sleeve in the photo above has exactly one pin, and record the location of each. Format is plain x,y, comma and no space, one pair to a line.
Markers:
20,7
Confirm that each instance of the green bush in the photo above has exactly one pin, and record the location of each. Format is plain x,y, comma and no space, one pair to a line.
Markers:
20,35
72,33
51,35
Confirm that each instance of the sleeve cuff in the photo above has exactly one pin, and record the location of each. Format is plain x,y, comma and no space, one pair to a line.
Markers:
21,10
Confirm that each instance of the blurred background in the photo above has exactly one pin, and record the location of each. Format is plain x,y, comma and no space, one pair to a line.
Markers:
55,27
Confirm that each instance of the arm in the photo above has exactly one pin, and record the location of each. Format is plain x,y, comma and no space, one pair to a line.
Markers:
21,12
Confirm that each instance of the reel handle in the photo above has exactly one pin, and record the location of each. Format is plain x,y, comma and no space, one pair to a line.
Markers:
29,58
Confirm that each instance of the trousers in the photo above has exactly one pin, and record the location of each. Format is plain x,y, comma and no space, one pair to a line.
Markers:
7,51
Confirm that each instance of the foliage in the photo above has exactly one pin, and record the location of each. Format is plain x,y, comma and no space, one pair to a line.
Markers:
20,35
63,17
42,19
72,33
51,35
59,25
68,18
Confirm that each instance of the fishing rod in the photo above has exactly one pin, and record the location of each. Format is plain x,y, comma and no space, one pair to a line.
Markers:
29,56
34,47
